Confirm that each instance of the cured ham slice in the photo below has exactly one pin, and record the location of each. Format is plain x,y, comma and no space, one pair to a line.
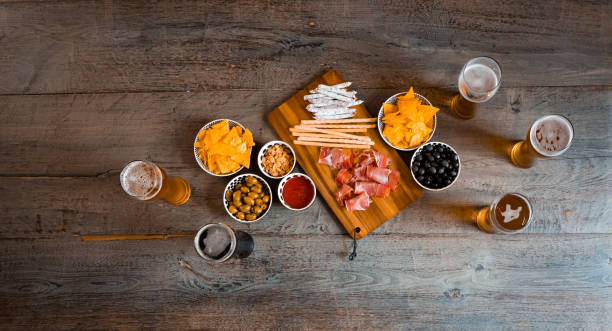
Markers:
372,189
382,160
360,202
344,176
380,175
394,178
344,193
325,156
367,169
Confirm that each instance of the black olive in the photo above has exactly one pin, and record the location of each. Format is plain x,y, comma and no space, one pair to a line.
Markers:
430,157
421,171
415,168
448,182
418,157
436,155
453,173
432,170
429,148
456,165
420,178
444,163
440,171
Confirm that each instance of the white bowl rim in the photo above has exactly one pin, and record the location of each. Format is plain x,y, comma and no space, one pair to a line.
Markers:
435,189
261,154
380,124
195,149
227,187
285,180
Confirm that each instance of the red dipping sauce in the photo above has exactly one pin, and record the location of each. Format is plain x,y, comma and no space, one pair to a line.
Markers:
298,192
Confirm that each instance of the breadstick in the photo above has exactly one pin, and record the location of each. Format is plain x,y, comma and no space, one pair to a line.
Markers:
336,126
313,143
334,133
335,140
297,132
346,120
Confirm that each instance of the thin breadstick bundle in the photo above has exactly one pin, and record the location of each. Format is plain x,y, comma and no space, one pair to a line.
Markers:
322,144
299,131
346,120
335,140
336,126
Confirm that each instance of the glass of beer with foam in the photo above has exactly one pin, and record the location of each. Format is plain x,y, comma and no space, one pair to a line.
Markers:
549,136
479,80
144,180
509,214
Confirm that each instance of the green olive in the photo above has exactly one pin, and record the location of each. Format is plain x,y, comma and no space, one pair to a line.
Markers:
232,209
240,215
256,189
237,187
251,179
264,206
237,203
249,184
228,195
257,210
236,195
251,217
245,208
245,189
266,198
249,201
253,195
258,202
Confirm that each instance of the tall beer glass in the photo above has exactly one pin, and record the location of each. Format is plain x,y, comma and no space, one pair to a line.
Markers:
479,80
144,180
549,136
511,213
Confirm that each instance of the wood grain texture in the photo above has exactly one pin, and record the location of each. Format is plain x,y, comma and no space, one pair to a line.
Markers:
51,187
103,46
290,114
475,281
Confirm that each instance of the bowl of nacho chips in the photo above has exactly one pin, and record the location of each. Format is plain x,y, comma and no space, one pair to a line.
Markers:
407,120
223,147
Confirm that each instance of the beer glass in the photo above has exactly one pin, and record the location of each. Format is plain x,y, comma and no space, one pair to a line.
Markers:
509,214
549,136
217,243
144,180
479,80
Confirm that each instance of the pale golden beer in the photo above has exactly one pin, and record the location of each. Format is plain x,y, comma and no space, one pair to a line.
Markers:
549,136
478,82
144,180
511,213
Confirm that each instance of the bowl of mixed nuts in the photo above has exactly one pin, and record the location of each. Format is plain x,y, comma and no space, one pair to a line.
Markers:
276,159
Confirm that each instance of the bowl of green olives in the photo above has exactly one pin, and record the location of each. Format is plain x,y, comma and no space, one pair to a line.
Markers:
247,198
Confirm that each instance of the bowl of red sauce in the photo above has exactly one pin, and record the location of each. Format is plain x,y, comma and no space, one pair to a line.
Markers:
296,191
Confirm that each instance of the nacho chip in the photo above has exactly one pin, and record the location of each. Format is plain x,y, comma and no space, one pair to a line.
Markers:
224,150
409,123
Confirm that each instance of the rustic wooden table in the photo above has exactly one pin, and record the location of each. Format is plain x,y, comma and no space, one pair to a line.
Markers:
88,86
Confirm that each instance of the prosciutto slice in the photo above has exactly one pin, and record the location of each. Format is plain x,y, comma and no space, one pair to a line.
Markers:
325,156
360,202
344,193
372,189
382,160
343,176
379,175
394,178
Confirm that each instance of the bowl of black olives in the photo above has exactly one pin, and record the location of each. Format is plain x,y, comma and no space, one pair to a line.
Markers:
247,198
435,166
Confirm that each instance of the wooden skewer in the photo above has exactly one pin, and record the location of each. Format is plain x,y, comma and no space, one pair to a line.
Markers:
314,143
346,120
335,130
337,126
334,133
335,140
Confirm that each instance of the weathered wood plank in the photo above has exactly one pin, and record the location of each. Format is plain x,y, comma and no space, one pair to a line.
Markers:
93,136
82,46
470,281
85,135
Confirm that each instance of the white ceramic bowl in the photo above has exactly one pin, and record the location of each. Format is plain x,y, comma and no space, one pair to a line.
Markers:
195,149
281,186
240,180
262,153
419,150
381,126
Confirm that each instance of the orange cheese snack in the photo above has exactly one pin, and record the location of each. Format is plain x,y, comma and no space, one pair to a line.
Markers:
224,150
409,123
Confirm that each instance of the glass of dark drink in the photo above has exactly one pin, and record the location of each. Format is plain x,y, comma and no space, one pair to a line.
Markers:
509,214
217,243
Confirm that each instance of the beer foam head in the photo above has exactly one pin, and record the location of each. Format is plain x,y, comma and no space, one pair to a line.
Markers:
141,179
551,135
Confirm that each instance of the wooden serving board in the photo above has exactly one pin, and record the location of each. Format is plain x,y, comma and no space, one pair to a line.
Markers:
292,112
